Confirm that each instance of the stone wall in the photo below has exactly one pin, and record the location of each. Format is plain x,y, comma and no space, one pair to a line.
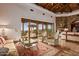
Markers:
66,21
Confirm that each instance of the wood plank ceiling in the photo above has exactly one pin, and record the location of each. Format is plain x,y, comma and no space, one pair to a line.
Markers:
59,7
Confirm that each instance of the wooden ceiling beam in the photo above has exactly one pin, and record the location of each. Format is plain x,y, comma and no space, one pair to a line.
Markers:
74,6
67,8
49,6
60,7
54,7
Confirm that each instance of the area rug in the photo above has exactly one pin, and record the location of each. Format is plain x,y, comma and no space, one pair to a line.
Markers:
46,50
43,50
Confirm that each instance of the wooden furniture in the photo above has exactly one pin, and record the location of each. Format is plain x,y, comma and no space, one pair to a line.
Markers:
66,30
71,36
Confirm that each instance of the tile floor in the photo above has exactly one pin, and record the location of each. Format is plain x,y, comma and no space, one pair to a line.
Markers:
70,49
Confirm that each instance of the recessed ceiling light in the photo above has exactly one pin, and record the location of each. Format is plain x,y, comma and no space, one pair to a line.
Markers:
51,16
31,10
43,13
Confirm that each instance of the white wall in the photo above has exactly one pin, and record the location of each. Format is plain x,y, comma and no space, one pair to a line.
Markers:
11,14
76,12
